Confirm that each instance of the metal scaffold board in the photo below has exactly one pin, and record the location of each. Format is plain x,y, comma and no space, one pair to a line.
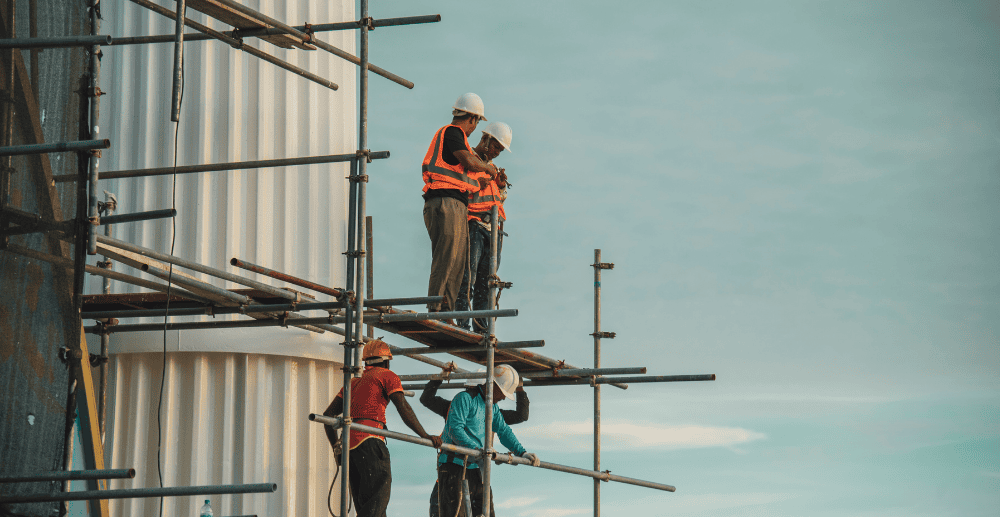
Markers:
240,20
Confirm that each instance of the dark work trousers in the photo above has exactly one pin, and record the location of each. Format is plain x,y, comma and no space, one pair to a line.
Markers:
476,281
450,491
371,478
447,226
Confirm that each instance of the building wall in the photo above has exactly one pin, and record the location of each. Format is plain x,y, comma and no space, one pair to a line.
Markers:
235,402
225,419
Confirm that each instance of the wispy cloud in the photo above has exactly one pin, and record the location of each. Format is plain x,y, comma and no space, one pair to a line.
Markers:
554,512
620,435
516,502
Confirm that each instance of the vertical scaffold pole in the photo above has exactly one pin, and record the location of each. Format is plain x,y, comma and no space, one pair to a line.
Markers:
95,129
491,341
597,387
354,322
362,178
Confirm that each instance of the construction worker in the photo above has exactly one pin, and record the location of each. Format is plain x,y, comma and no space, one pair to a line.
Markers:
466,427
476,281
440,405
370,473
447,186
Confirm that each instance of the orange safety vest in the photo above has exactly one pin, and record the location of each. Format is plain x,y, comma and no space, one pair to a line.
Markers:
480,202
440,175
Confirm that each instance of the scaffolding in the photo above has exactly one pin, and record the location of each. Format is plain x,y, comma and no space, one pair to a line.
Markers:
178,294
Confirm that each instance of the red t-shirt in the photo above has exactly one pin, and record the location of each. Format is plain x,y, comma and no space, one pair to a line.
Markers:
369,397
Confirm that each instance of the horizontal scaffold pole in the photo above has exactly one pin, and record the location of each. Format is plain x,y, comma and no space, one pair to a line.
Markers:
282,307
71,475
107,273
195,266
319,322
384,22
499,458
231,166
567,372
58,147
57,42
473,348
256,33
130,493
237,44
138,216
284,277
587,381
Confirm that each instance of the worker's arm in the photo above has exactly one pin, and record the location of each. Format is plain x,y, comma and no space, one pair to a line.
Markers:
410,419
506,436
520,414
431,401
335,408
473,163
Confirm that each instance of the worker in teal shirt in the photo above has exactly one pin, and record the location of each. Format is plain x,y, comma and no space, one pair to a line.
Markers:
466,427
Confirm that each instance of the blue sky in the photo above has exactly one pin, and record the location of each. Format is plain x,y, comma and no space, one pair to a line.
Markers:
798,196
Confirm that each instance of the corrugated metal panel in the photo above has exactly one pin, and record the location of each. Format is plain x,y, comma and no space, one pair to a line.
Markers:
234,402
236,108
226,419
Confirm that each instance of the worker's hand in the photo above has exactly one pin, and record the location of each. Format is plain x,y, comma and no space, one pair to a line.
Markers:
492,170
501,178
338,450
520,384
445,372
436,440
530,456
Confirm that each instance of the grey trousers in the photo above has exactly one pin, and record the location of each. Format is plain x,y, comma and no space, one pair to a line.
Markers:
447,227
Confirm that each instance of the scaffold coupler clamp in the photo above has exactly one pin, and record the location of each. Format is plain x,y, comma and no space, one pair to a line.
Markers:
284,319
368,22
604,265
367,155
593,381
238,38
608,335
607,476
308,31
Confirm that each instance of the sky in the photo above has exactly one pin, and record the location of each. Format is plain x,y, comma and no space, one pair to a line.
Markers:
800,197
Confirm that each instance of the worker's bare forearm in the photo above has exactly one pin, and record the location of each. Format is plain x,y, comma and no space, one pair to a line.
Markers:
335,408
407,414
473,163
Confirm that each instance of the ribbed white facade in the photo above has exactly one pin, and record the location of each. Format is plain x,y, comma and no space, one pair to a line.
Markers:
235,402
226,419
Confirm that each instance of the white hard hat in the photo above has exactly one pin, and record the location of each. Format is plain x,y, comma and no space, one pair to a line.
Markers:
501,132
471,103
476,382
506,377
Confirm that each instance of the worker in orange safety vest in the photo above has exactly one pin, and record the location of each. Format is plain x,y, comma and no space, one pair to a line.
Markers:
447,186
496,137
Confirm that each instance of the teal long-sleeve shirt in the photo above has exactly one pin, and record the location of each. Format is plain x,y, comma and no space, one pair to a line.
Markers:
466,427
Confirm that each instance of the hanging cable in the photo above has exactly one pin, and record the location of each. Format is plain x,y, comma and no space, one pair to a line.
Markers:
166,310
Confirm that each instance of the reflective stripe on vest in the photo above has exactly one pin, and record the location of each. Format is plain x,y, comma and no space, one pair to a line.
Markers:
438,174
480,202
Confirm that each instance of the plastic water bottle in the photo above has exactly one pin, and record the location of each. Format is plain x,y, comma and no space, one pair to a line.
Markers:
206,510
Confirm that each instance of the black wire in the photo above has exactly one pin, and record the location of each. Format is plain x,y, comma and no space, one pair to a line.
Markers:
166,310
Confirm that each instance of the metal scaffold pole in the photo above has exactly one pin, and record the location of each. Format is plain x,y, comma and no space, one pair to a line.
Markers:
354,322
598,266
490,342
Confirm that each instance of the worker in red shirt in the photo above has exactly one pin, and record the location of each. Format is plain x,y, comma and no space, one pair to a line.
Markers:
370,473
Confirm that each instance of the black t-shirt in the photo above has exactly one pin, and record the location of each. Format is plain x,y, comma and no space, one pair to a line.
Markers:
454,140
